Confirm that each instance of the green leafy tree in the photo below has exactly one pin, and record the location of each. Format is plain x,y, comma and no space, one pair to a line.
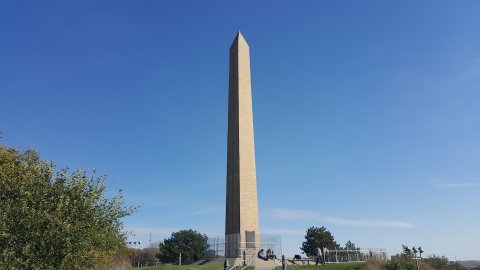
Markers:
318,237
190,243
350,246
58,220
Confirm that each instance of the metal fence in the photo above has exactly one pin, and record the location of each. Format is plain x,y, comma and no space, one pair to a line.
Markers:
358,255
233,245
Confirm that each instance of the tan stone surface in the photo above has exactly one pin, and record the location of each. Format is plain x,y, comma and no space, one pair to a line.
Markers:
242,202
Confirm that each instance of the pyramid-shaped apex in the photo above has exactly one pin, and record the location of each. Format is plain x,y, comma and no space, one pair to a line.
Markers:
239,39
240,36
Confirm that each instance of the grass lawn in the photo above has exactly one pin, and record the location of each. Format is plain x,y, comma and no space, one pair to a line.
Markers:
177,267
329,266
332,266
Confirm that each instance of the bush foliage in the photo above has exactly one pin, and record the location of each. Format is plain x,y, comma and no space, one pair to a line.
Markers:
60,220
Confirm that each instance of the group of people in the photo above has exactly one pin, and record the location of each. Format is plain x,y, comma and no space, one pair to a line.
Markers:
322,255
268,256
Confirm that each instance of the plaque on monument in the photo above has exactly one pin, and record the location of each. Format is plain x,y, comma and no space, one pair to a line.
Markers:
250,239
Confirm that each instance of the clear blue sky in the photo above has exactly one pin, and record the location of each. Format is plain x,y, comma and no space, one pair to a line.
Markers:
367,113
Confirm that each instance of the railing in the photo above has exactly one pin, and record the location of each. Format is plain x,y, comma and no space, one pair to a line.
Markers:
358,255
247,261
233,246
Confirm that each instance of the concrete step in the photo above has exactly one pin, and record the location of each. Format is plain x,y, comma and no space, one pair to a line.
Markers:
266,265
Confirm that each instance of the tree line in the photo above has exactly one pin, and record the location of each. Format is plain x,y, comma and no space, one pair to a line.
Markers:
63,219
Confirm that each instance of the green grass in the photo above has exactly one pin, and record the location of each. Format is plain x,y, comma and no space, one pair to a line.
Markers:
332,266
200,265
329,266
183,267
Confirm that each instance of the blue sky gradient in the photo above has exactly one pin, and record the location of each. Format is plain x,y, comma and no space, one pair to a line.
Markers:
366,113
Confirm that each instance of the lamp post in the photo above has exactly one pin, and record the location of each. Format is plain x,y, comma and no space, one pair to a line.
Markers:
134,244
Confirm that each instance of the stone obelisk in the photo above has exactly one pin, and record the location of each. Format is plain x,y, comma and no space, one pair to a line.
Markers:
241,225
